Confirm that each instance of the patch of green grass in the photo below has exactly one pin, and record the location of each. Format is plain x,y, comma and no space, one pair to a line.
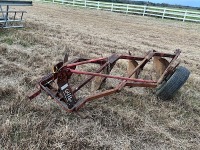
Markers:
6,36
2,32
8,40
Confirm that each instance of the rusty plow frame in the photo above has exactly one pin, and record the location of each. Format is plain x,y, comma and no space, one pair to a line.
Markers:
65,95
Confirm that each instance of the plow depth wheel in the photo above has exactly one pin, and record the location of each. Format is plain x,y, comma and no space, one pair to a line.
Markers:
168,88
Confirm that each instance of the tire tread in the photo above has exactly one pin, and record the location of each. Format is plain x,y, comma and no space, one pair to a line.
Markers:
174,83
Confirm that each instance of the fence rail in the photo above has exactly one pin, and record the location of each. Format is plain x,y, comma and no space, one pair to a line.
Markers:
178,14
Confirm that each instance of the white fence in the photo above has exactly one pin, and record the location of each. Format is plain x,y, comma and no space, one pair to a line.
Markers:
178,14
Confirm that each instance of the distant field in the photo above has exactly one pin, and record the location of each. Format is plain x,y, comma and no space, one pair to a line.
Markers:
132,119
161,12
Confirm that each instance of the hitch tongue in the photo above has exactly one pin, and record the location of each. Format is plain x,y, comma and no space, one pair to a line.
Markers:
34,94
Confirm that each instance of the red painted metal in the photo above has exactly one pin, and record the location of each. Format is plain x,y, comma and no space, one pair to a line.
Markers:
110,76
64,95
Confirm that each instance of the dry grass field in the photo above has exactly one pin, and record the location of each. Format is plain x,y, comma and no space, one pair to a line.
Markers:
132,119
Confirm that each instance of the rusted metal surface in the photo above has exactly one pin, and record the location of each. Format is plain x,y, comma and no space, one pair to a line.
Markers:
65,95
169,70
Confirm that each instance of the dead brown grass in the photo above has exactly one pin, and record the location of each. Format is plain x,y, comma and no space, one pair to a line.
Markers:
132,119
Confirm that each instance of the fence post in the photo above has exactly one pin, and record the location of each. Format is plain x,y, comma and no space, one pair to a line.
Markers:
112,7
98,5
73,2
85,3
185,16
53,1
62,1
163,13
145,7
127,9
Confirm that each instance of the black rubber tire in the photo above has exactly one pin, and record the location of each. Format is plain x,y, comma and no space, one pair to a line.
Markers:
168,88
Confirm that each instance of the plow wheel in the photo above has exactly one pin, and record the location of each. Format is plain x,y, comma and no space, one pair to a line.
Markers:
168,88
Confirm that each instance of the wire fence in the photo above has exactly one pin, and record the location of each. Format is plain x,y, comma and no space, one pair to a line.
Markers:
161,12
